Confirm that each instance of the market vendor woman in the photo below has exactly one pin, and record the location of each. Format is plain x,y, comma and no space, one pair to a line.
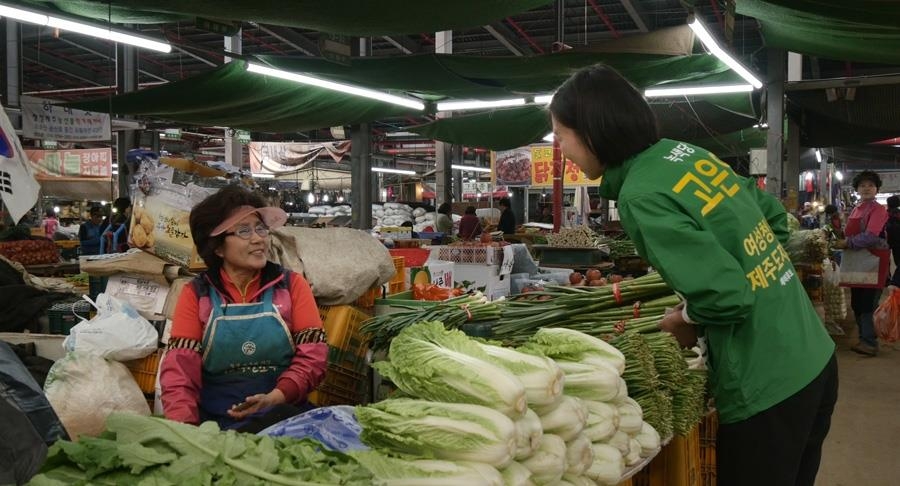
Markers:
717,241
247,344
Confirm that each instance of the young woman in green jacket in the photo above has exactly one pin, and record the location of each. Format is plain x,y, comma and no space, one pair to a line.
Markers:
717,240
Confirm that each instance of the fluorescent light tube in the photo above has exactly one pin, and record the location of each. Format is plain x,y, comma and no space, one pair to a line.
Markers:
548,137
469,167
263,175
343,88
543,99
707,39
401,134
697,90
476,104
393,171
78,27
818,156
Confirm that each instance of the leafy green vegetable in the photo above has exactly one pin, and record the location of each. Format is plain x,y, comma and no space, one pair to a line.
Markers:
433,363
567,420
598,383
570,345
389,471
541,376
516,475
579,455
608,466
451,431
548,464
152,451
528,434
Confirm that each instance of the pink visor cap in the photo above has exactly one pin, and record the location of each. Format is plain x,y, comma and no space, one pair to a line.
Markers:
271,217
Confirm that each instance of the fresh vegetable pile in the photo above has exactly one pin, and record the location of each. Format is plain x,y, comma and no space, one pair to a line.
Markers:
576,237
453,313
554,411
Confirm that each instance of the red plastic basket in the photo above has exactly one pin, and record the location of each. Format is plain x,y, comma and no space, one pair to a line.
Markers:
414,257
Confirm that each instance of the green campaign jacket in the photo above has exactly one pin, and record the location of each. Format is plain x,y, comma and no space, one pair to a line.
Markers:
717,239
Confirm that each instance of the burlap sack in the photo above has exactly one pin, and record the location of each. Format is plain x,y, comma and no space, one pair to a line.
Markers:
340,264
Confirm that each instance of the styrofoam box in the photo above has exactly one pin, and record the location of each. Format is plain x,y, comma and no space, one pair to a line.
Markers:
48,346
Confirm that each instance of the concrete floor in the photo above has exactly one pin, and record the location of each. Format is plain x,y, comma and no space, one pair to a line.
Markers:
862,446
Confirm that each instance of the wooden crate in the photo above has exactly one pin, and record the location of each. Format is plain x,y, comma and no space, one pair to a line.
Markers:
682,457
707,431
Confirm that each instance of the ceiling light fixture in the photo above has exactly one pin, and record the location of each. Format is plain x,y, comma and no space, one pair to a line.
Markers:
707,39
263,175
389,170
343,88
548,137
470,167
543,99
697,90
477,104
80,27
401,134
818,156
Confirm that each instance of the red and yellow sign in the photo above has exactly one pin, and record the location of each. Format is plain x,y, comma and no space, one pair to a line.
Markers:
533,166
49,164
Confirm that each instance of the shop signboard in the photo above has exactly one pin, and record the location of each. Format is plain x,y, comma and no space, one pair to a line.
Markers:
533,166
335,48
43,120
96,162
471,190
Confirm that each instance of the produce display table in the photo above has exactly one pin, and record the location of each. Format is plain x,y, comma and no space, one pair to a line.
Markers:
53,269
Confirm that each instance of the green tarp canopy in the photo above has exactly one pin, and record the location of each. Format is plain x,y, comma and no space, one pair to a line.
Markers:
231,96
872,115
348,17
687,120
850,30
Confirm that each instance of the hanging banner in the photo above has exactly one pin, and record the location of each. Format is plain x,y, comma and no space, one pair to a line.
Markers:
290,157
43,120
49,164
471,190
18,188
533,166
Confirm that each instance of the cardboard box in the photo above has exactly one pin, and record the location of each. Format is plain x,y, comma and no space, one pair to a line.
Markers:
435,272
494,281
147,296
159,225
396,232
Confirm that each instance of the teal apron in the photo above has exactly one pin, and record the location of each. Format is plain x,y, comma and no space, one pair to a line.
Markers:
246,347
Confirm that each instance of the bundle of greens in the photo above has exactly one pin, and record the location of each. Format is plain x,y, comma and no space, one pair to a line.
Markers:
160,452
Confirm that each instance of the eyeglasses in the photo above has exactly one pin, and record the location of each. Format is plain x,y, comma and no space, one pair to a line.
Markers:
245,232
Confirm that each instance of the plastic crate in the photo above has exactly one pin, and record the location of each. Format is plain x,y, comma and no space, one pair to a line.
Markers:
399,269
367,300
478,255
396,288
706,432
347,348
144,371
64,315
413,257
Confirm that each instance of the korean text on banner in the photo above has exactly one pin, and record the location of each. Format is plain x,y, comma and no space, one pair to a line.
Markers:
43,120
542,169
533,166
18,188
96,162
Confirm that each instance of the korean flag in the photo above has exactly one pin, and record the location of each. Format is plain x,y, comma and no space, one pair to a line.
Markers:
17,184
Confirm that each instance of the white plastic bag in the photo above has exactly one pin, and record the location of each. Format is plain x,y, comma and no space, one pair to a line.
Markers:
85,389
117,332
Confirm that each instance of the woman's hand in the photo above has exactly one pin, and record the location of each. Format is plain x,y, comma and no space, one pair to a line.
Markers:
674,324
255,403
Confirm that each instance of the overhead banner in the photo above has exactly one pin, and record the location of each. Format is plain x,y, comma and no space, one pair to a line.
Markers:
533,166
18,188
49,164
43,120
288,157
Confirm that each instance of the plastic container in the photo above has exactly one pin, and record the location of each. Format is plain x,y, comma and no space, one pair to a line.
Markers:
347,348
144,371
413,257
399,269
367,300
62,316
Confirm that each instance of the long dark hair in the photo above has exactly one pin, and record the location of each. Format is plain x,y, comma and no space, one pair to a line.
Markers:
607,112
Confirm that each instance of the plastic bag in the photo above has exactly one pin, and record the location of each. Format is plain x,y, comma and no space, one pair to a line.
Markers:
84,389
117,332
887,318
335,427
831,272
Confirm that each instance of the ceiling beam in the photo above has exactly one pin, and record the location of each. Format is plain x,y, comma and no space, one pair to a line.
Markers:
403,43
636,13
505,37
97,47
61,65
292,38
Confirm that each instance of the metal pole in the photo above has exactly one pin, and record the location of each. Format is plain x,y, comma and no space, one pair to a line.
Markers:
234,151
361,176
443,185
775,115
126,82
557,186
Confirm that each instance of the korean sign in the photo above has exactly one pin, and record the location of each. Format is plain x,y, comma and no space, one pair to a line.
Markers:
533,166
43,120
71,163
